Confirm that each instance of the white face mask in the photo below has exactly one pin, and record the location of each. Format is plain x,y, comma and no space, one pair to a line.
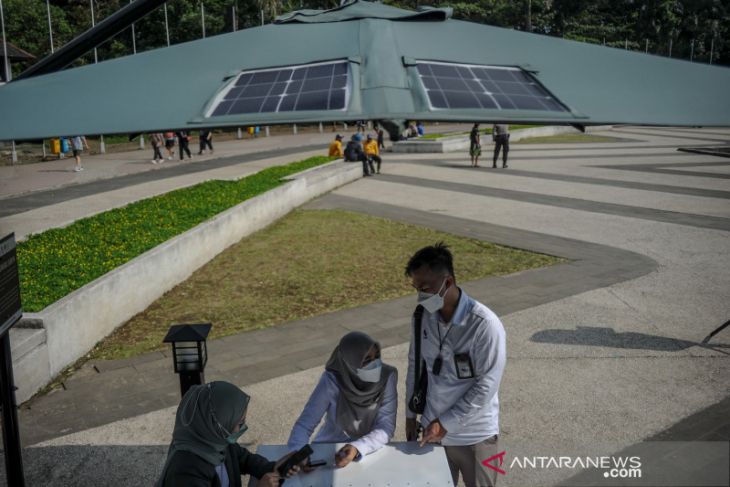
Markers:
371,372
432,302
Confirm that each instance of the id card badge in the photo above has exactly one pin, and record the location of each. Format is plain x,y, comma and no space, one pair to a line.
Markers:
464,368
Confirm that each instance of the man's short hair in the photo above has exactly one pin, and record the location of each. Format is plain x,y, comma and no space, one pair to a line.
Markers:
437,257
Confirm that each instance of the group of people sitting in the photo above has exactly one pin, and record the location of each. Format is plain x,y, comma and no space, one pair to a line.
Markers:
368,152
455,364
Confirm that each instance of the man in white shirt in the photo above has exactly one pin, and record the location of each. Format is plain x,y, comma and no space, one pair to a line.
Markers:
463,346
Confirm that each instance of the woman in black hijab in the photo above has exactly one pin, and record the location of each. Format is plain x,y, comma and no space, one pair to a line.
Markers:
357,393
204,451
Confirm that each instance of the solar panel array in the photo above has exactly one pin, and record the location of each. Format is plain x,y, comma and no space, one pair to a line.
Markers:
320,86
452,86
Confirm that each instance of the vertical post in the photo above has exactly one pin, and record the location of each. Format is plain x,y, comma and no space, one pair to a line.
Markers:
626,44
141,141
712,47
93,22
11,435
646,49
167,26
134,38
239,133
102,144
294,128
692,50
13,153
267,130
670,46
321,128
344,125
6,61
262,16
234,23
44,149
202,17
50,26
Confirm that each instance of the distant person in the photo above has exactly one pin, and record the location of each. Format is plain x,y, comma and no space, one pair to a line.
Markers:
354,153
157,140
206,140
170,145
336,147
183,140
412,130
204,450
500,135
475,145
372,152
361,126
420,129
358,399
381,137
463,348
78,143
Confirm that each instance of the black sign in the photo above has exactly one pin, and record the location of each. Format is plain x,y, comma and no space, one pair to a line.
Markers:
10,308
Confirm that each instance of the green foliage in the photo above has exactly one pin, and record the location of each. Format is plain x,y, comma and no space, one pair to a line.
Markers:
59,261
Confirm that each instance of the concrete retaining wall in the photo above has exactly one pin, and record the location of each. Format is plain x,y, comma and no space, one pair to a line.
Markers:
459,143
74,324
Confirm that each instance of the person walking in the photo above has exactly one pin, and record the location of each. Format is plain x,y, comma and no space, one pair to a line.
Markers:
381,137
206,140
500,135
183,140
462,354
157,140
475,145
78,143
170,145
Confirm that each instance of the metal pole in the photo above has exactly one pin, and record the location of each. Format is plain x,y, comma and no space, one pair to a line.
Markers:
11,435
267,130
692,50
321,128
13,153
670,47
262,16
6,61
44,149
202,17
712,46
234,24
239,133
134,38
50,27
646,50
294,128
626,44
167,27
93,22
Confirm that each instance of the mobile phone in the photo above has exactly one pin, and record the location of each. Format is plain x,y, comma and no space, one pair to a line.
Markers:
295,459
317,463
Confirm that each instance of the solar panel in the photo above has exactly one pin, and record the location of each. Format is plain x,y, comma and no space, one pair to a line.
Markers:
451,86
320,86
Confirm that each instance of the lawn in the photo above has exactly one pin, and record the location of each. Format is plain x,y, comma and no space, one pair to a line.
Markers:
308,263
483,132
567,139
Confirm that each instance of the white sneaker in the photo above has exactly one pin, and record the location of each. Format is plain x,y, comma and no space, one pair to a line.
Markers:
169,158
154,161
78,169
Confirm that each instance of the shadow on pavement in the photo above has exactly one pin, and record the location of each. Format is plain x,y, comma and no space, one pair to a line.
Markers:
607,337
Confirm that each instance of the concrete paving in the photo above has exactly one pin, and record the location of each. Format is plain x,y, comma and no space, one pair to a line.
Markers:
604,351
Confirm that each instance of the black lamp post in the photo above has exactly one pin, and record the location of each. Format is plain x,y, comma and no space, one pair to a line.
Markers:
189,353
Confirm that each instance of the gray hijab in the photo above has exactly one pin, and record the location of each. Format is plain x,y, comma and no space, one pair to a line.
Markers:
203,410
359,401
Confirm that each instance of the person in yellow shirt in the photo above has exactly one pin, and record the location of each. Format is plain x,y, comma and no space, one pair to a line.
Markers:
372,152
336,147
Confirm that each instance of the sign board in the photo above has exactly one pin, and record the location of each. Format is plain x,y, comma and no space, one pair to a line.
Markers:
394,465
10,308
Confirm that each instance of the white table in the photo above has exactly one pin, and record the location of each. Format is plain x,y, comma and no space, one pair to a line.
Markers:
394,465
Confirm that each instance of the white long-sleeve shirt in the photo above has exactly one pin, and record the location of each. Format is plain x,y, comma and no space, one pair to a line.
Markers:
324,401
467,407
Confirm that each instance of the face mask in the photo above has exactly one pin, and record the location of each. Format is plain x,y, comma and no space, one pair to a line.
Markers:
371,372
432,302
233,437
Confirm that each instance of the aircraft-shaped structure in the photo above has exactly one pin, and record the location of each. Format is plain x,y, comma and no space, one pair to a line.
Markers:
366,61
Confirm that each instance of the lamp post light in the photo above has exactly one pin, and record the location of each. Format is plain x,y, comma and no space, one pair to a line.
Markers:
189,352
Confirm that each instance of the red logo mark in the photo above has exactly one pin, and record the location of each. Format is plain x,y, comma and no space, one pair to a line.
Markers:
487,463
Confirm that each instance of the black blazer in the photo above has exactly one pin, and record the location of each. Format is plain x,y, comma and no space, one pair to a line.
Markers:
186,469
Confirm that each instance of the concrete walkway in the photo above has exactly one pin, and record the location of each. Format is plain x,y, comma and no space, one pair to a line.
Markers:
603,351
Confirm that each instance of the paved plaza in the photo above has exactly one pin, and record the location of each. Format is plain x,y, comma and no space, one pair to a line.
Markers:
604,350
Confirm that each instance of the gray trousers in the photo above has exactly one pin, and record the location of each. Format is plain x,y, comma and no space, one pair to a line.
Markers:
467,461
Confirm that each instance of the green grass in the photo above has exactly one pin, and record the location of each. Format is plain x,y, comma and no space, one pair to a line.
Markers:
308,263
483,132
59,261
567,139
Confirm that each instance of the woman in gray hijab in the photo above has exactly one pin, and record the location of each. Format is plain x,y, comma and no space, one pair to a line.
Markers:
357,396
204,451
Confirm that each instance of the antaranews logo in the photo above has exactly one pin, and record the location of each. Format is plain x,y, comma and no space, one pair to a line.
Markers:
613,467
